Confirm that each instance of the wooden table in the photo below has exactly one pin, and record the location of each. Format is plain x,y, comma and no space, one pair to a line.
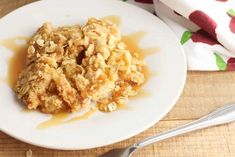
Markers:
204,92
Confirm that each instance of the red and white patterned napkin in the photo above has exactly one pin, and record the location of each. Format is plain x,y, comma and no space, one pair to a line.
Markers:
205,28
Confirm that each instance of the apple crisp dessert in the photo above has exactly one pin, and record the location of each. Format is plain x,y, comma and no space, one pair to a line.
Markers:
71,67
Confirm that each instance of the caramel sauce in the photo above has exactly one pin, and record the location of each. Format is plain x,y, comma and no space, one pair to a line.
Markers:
56,119
114,19
123,107
132,41
18,61
82,117
60,119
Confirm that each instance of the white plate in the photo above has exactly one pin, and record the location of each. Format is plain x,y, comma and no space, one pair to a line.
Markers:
100,129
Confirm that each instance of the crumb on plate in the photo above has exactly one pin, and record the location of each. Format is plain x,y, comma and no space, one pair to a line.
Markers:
29,153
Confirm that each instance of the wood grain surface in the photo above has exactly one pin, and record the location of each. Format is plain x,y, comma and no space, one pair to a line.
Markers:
204,92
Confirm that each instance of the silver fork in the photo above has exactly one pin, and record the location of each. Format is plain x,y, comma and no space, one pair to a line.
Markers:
220,116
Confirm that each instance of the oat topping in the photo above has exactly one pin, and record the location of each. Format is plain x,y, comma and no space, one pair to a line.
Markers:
70,67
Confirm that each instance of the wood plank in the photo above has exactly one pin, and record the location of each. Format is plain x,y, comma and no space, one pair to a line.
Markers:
212,142
204,92
6,6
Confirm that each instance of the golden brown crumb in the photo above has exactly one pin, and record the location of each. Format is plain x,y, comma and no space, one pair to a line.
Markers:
70,67
29,153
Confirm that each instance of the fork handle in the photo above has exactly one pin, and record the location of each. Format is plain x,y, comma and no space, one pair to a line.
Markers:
220,116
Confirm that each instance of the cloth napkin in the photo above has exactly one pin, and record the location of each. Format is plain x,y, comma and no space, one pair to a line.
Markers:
205,28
